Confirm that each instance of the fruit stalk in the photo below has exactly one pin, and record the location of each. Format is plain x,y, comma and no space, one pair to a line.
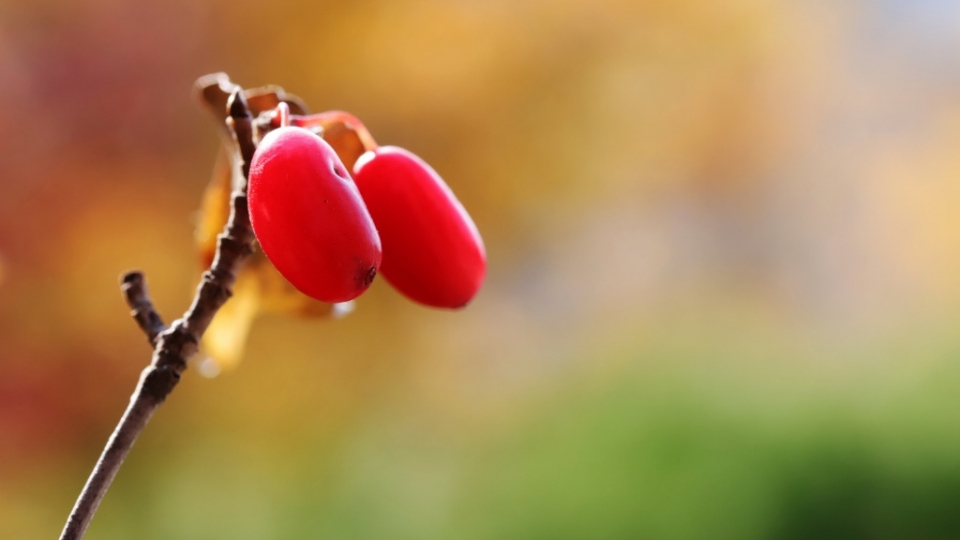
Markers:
173,345
322,120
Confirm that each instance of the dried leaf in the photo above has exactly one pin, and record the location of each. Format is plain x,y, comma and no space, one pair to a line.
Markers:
345,141
226,337
214,207
259,289
214,90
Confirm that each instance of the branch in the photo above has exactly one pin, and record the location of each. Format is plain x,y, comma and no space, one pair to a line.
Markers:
135,292
174,345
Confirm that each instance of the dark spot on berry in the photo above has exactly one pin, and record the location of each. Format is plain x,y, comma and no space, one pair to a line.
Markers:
365,276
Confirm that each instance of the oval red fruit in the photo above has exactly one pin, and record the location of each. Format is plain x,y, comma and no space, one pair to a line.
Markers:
432,251
309,217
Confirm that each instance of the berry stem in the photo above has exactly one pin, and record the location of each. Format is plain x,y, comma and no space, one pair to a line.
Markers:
325,119
281,115
173,345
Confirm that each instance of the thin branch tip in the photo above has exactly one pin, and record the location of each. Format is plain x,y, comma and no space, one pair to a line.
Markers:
131,276
134,288
237,105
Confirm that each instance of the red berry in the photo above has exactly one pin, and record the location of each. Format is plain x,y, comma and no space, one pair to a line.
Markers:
309,218
432,251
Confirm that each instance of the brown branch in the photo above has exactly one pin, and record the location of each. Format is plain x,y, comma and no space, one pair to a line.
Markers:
135,292
174,345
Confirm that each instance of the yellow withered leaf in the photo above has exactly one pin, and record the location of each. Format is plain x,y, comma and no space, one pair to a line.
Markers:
214,207
259,288
226,337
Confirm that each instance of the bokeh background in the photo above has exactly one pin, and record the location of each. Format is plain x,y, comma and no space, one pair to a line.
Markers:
722,300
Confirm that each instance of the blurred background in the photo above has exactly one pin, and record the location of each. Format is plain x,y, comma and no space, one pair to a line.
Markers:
722,299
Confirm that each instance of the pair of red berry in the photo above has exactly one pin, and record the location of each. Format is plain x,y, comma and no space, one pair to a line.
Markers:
329,234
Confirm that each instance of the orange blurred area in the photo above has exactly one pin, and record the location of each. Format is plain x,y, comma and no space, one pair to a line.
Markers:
721,301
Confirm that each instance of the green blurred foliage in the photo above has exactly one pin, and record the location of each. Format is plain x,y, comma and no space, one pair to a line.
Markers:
721,302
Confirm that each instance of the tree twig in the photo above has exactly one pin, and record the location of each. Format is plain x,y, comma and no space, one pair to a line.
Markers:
174,345
134,290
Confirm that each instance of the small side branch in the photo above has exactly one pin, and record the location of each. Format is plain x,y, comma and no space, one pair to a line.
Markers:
176,344
134,290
